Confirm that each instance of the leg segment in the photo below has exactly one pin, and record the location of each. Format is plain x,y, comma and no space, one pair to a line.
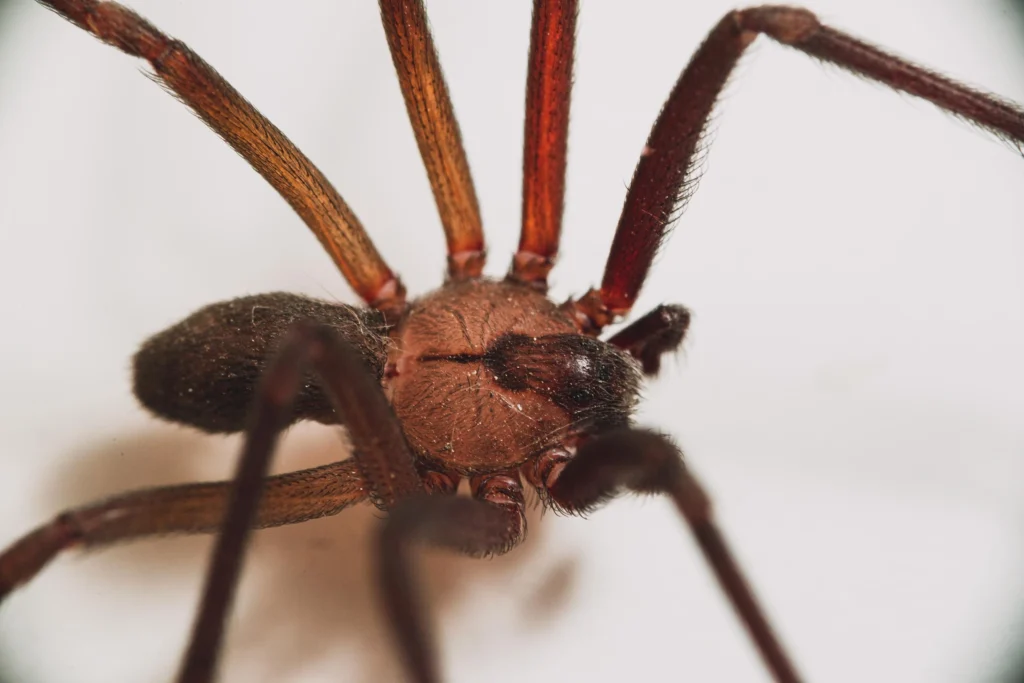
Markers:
259,142
548,86
381,456
491,523
189,509
647,462
660,331
667,172
437,133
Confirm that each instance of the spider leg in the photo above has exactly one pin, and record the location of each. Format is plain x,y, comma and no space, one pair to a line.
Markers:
647,462
491,523
658,332
188,509
667,173
380,453
548,85
437,133
255,138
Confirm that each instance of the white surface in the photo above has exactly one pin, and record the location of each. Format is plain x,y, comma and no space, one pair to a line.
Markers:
851,391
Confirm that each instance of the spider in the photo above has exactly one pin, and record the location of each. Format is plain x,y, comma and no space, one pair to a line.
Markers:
457,360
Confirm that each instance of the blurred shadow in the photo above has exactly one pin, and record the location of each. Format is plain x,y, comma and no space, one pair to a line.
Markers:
7,14
1012,671
1016,8
308,592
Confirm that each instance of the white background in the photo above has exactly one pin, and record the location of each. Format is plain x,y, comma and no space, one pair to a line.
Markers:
851,391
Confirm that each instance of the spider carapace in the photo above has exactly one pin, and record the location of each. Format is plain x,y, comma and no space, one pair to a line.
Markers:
483,380
502,355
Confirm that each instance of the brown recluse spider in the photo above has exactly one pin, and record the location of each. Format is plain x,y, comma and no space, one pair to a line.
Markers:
571,376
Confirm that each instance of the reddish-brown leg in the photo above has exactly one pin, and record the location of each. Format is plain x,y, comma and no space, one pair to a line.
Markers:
379,450
659,332
548,85
666,174
188,509
491,523
259,142
647,462
437,133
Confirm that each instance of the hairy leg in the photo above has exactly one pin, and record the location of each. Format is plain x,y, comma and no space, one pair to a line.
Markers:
437,133
188,509
491,523
647,462
659,332
255,138
548,85
667,173
380,453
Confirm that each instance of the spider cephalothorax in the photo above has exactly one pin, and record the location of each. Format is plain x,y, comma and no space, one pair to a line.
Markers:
485,380
488,374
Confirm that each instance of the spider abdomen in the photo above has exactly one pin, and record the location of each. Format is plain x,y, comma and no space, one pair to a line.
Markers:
203,371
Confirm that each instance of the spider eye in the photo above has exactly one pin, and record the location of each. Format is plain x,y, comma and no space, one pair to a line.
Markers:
581,397
578,373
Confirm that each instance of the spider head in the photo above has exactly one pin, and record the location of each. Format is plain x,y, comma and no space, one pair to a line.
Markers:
597,384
